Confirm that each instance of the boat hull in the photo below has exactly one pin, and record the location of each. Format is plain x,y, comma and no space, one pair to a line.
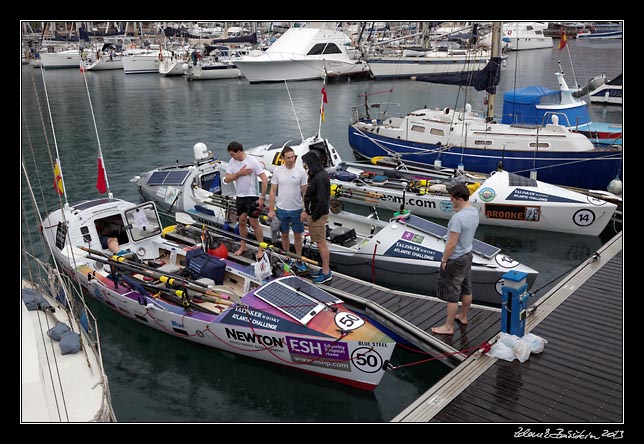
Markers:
403,274
593,169
273,69
212,72
607,94
526,204
600,35
253,333
104,64
525,43
406,67
171,67
246,315
141,63
58,60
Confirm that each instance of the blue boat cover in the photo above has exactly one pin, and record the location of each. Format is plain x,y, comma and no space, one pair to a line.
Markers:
520,106
529,94
485,79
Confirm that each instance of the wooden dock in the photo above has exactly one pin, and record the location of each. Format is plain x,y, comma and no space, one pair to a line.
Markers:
411,316
577,378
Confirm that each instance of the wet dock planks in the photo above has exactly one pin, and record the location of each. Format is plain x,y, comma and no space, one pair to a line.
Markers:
412,316
577,378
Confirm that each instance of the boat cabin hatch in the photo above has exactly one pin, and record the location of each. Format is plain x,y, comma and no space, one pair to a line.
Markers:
211,182
131,226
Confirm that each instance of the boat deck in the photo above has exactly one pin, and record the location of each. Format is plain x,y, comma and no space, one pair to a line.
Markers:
577,378
411,316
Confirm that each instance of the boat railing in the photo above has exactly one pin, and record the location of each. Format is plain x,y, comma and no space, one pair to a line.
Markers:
376,111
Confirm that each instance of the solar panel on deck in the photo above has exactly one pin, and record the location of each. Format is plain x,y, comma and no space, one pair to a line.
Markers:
519,181
311,290
485,250
427,226
168,177
289,301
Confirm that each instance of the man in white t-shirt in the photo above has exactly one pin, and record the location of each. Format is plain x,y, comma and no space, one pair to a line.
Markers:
288,185
244,171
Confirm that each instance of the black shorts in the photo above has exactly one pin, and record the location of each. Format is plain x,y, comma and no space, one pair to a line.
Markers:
456,280
248,205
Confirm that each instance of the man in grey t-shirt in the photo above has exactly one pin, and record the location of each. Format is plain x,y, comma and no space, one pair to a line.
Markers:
455,273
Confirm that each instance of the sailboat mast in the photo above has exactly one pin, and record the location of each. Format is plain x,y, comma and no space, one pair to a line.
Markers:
496,52
425,35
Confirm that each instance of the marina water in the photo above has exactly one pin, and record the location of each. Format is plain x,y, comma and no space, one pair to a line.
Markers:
146,121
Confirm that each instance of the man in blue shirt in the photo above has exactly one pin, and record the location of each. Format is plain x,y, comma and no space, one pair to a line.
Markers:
455,273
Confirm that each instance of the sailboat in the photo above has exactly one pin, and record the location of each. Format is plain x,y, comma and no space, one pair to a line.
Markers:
535,104
550,152
170,282
425,60
62,378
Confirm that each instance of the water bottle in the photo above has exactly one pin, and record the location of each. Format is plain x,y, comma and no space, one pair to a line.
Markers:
173,256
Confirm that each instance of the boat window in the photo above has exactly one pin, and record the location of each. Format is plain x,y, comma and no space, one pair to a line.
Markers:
482,142
539,145
86,236
437,132
143,221
550,99
418,128
324,48
321,149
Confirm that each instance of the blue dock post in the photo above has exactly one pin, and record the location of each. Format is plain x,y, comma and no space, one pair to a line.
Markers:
513,303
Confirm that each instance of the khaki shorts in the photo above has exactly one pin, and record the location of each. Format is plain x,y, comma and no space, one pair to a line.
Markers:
317,229
456,280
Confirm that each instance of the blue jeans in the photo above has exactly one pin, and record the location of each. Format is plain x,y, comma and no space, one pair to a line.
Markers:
290,218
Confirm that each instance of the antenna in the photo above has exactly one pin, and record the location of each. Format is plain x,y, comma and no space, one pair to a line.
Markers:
292,106
57,168
322,102
102,183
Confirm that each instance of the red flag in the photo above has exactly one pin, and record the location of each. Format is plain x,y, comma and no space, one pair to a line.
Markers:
324,95
101,183
564,39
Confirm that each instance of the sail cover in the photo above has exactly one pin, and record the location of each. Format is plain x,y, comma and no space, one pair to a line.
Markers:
485,79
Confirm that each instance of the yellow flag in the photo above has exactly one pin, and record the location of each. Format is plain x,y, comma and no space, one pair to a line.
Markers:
58,179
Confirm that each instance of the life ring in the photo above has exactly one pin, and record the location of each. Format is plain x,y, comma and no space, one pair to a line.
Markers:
509,31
